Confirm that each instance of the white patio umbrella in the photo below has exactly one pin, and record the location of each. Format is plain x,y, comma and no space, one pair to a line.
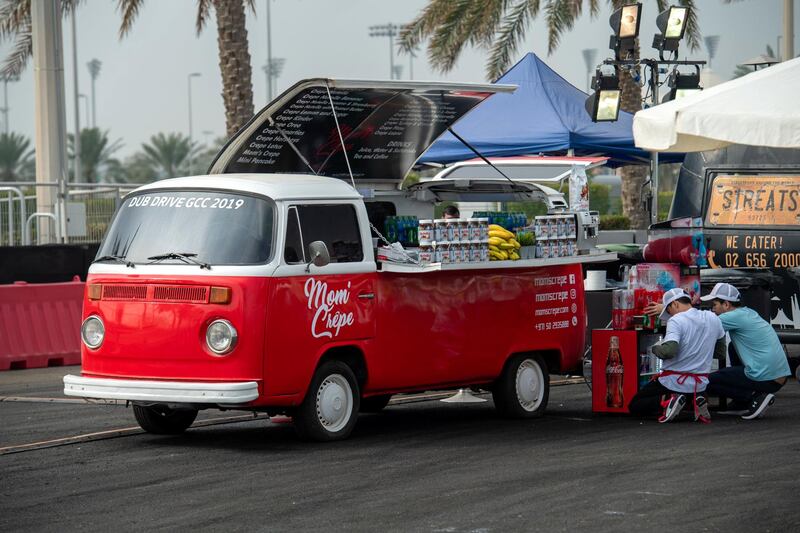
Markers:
759,109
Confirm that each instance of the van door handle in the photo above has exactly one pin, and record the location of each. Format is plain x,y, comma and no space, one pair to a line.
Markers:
367,295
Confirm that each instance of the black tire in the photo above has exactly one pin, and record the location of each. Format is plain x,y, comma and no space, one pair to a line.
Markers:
794,367
330,408
529,400
374,404
162,420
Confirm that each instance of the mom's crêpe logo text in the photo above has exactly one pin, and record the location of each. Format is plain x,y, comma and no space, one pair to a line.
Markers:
328,320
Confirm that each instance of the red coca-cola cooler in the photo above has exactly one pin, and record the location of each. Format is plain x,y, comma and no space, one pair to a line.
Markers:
615,369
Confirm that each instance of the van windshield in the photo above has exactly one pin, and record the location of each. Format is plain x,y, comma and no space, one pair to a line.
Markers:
220,228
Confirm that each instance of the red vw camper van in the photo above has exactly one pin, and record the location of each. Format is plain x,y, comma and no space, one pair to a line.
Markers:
257,287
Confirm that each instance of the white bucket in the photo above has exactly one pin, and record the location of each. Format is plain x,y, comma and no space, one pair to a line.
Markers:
595,280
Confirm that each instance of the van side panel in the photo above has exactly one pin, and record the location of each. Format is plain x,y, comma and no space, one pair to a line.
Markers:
458,327
307,315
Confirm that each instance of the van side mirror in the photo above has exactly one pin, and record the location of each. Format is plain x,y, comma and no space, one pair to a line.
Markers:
319,255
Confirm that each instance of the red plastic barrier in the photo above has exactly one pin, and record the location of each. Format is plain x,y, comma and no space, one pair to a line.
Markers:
40,324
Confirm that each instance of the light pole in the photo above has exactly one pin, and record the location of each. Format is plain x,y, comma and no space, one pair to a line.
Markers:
386,30
94,70
277,68
76,144
788,30
588,57
268,68
189,83
85,106
6,79
268,79
5,105
272,71
712,42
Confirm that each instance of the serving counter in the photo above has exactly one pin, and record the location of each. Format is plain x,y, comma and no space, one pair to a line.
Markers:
407,268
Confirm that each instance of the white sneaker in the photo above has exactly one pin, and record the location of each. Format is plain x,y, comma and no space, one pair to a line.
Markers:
673,407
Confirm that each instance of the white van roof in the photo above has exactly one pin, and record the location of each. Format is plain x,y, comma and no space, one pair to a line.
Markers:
275,186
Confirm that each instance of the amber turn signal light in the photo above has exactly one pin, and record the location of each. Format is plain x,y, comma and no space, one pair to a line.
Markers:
95,291
220,295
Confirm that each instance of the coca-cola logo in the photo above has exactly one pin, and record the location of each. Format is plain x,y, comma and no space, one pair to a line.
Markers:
328,320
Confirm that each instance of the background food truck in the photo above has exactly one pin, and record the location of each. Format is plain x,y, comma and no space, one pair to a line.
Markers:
745,202
257,287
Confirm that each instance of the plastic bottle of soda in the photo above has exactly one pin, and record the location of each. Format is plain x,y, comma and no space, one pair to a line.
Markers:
391,229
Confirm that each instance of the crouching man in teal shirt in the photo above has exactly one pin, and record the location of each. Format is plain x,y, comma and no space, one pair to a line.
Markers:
752,387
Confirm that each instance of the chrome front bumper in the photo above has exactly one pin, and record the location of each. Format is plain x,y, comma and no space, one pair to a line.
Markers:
161,391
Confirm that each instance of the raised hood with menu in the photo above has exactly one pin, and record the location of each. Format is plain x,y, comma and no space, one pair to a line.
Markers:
384,126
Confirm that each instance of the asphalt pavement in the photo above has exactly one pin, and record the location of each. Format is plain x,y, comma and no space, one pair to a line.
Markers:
421,465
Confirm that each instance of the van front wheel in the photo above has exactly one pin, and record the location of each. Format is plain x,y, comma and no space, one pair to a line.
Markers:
522,390
162,420
330,408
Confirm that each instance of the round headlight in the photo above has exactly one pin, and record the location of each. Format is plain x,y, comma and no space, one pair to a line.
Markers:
93,332
221,336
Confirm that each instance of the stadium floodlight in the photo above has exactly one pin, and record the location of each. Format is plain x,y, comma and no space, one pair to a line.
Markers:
681,85
625,23
672,25
603,104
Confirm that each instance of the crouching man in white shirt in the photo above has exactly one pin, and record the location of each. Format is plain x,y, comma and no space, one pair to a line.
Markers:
693,338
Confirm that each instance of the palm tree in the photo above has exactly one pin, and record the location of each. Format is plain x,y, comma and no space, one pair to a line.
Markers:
16,157
741,70
96,154
138,169
206,154
169,154
499,26
234,58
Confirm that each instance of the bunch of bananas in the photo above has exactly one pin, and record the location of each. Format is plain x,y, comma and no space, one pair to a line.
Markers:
503,246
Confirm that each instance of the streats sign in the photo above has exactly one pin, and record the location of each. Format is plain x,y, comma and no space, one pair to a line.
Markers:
754,201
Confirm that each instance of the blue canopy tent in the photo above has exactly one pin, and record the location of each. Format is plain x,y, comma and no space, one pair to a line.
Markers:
545,114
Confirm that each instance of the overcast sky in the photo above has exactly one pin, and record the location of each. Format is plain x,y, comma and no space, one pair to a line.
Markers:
142,87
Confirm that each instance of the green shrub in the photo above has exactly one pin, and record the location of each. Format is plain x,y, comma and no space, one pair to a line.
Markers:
612,222
525,238
600,198
664,203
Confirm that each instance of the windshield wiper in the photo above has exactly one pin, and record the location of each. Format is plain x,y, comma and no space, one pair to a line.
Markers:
188,258
119,258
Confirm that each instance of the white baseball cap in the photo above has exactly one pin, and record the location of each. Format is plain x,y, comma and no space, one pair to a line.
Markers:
669,297
723,291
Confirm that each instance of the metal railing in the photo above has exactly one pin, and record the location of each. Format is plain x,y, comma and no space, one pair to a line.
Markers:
88,208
